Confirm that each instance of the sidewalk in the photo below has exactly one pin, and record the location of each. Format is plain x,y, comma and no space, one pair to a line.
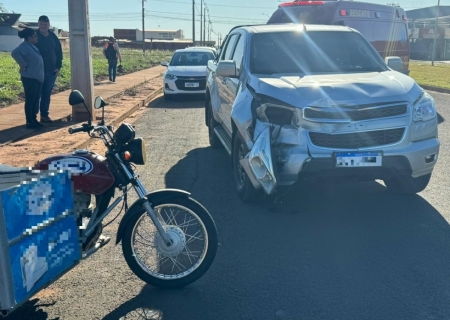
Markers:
12,118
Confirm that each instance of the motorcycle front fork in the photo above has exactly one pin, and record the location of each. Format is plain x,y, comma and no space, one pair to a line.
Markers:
140,190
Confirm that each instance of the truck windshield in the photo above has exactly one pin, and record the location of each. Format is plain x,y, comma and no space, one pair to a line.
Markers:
313,52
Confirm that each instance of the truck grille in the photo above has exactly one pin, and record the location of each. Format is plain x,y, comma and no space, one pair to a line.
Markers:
357,140
356,114
181,80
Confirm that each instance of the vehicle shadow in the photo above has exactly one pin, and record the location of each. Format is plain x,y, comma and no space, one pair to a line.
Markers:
19,133
335,251
440,118
30,310
178,102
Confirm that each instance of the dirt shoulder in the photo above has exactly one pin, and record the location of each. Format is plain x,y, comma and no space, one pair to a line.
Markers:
55,139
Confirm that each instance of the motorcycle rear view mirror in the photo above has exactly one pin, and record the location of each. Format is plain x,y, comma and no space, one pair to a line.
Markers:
99,103
76,97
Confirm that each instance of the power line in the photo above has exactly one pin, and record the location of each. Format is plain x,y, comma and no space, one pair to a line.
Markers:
218,5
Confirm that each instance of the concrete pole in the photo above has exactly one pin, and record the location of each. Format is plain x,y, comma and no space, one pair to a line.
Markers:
82,78
435,31
193,22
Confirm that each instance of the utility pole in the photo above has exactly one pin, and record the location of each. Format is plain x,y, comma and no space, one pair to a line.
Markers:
143,27
204,24
193,22
82,78
201,20
435,31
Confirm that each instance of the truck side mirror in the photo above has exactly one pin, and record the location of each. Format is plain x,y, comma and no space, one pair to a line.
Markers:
226,68
395,63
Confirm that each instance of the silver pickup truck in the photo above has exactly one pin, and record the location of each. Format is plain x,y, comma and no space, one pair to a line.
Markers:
313,102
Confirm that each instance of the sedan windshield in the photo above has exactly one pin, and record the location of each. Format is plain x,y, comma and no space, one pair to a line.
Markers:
194,58
313,52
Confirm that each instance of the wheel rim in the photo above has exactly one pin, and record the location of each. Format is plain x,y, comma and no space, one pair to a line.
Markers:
190,242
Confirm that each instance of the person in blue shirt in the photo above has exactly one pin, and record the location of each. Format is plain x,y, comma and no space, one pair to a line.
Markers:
112,53
51,51
31,64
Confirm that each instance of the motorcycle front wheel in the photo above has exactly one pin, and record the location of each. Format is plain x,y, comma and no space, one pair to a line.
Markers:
194,236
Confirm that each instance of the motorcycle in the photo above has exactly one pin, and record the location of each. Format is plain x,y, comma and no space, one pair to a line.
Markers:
168,238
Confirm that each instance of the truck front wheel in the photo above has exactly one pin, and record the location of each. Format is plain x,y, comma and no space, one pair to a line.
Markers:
244,187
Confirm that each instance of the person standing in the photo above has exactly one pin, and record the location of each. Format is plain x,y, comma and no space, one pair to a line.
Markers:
51,51
112,53
31,65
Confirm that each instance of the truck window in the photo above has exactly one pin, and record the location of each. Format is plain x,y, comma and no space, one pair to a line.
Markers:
313,52
229,49
239,53
363,26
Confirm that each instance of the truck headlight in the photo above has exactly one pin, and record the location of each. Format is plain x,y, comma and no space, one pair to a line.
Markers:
424,109
170,76
274,111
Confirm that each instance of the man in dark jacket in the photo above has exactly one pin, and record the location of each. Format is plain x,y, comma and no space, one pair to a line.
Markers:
51,52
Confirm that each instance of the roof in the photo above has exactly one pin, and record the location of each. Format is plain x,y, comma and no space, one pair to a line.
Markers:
286,27
190,50
429,12
8,19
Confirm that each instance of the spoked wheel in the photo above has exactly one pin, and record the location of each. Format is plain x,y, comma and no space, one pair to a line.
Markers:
194,243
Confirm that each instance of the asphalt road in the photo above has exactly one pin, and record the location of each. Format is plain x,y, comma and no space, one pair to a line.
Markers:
350,251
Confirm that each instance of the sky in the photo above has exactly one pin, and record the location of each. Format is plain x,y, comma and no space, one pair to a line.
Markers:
106,15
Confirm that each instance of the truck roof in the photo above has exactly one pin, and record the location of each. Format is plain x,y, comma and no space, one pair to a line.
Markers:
286,27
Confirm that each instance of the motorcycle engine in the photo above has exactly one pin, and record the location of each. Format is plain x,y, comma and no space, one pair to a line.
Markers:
82,201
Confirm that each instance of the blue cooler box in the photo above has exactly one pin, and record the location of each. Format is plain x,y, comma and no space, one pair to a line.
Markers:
39,239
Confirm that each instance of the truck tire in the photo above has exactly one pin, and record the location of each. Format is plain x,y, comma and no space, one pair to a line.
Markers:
244,187
213,140
407,184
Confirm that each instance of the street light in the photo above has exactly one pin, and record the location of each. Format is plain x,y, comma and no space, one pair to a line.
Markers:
435,30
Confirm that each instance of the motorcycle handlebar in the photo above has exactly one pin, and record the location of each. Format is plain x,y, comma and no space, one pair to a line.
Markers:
75,130
83,128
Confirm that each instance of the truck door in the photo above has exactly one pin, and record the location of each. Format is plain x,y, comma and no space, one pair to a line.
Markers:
225,94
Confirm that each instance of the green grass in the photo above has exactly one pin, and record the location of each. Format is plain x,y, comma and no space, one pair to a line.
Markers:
426,74
11,90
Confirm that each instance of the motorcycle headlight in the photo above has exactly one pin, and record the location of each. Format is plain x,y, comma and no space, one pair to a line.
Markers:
170,76
425,108
135,151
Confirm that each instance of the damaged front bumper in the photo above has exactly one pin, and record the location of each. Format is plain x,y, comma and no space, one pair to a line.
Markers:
263,163
281,155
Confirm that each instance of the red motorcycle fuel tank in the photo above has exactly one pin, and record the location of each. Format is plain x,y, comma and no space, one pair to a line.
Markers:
90,173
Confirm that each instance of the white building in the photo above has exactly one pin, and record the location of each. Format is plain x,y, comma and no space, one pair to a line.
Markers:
157,34
160,34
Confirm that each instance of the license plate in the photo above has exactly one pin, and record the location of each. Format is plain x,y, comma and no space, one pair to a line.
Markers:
191,85
359,159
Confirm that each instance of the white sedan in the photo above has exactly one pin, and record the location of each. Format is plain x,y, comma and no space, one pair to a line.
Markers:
186,72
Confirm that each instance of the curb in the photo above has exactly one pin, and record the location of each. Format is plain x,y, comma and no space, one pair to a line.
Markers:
69,116
436,89
84,144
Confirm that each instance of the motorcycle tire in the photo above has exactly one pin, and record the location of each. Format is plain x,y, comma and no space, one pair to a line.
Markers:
154,278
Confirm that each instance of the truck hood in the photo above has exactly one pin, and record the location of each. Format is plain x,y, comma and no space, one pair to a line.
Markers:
329,89
193,71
